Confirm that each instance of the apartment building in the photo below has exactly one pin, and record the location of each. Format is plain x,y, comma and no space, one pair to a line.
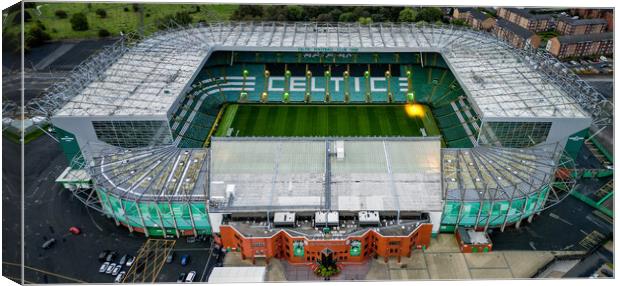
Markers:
516,35
605,14
581,45
474,18
525,19
569,26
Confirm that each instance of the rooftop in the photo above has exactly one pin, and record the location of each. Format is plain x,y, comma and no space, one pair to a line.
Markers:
571,39
579,22
525,12
146,78
491,173
514,28
381,174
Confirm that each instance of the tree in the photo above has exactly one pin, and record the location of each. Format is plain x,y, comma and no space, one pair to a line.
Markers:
429,14
245,12
36,36
458,22
103,33
365,20
294,13
62,14
346,17
79,22
101,13
183,18
407,15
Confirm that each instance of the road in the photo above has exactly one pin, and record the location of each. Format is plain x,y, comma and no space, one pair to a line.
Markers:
50,211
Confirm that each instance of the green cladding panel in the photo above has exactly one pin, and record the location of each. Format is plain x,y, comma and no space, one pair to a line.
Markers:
493,214
70,147
574,143
157,218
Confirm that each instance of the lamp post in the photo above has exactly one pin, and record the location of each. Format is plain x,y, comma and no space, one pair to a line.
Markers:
308,82
264,95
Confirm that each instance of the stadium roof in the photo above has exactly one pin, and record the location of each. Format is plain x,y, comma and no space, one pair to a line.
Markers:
145,78
164,173
491,173
300,174
382,174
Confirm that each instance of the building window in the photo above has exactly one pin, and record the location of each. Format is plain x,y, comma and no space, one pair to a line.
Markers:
133,134
514,134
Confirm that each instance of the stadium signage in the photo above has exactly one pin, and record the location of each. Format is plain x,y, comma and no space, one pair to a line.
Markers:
336,84
328,50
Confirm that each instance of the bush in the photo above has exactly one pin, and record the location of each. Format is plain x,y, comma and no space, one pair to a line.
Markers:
407,15
429,14
101,13
36,36
181,18
18,17
126,9
79,22
103,33
136,7
62,14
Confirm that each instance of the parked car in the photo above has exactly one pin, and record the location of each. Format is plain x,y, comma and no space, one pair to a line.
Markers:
170,257
75,230
184,260
190,276
103,255
181,277
117,269
123,260
607,273
110,268
111,256
104,267
130,260
49,243
119,277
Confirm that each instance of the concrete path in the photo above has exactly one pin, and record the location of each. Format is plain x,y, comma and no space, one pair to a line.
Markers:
53,56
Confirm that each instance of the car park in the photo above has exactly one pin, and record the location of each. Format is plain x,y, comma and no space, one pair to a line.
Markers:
103,255
130,261
110,268
119,277
49,243
104,267
111,256
117,269
184,260
181,277
190,276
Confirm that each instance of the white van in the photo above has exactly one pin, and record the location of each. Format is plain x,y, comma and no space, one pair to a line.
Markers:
190,276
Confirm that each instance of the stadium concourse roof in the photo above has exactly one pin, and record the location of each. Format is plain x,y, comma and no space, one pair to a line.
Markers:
146,77
492,173
346,174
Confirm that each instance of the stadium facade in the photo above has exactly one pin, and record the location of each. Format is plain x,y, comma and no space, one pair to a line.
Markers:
142,126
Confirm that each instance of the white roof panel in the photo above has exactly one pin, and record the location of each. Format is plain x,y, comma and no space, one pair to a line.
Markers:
146,78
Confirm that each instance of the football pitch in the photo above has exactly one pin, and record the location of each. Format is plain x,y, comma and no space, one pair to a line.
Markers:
261,120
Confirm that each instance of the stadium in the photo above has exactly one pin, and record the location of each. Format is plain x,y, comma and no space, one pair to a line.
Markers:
300,140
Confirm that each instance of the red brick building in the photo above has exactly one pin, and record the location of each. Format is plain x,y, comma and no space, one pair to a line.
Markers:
301,249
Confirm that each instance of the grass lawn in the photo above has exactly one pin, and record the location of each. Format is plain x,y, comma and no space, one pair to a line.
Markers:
117,18
324,120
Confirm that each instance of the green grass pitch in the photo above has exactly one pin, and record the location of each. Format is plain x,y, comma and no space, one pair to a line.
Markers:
261,120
